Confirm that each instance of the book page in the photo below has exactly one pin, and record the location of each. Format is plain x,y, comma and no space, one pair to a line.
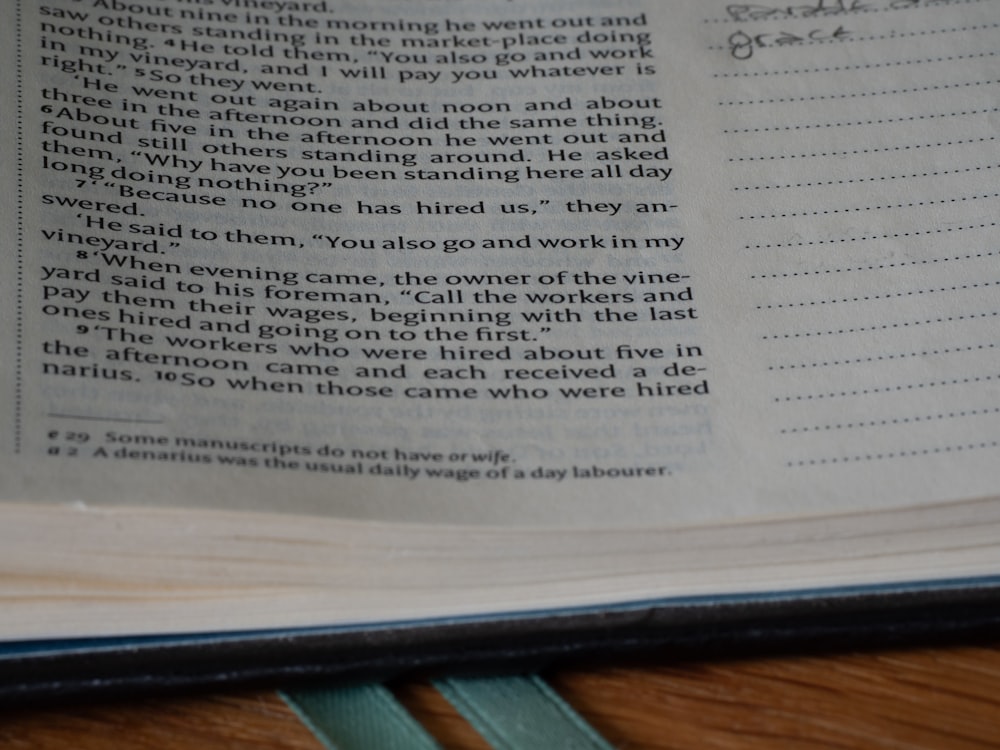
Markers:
500,262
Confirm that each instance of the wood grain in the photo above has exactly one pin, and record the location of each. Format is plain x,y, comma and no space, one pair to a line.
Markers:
917,698
240,721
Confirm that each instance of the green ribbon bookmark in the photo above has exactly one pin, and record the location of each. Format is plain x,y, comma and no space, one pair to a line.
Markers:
520,713
511,713
366,717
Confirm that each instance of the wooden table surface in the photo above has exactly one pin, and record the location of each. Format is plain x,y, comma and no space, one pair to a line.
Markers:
909,698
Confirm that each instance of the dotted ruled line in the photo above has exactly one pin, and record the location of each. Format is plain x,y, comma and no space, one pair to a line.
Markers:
878,267
886,389
18,415
856,180
866,66
885,327
913,204
856,123
894,235
873,297
804,42
857,95
857,11
860,151
891,422
883,357
895,454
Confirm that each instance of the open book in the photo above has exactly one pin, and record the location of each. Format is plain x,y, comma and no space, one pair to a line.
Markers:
375,315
